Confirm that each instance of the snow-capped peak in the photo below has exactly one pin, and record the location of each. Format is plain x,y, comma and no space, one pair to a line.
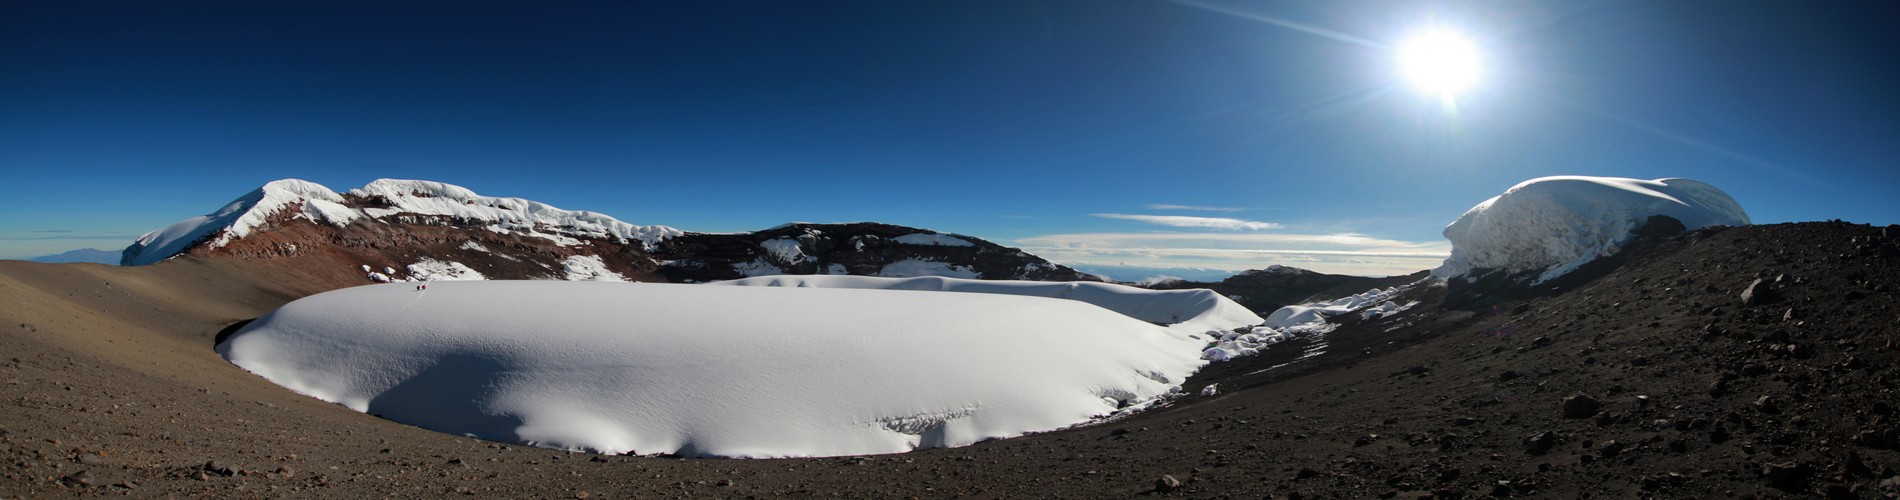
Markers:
1555,224
235,220
319,204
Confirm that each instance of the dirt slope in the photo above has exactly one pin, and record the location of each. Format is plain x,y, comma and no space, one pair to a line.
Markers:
111,387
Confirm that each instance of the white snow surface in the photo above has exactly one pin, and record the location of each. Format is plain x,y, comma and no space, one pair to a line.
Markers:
1187,311
1555,224
321,205
1302,320
588,268
1317,312
237,219
504,214
436,270
934,239
787,250
727,371
920,267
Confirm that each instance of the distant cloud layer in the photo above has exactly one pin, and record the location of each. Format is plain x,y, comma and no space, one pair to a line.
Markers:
1165,206
1195,222
1328,253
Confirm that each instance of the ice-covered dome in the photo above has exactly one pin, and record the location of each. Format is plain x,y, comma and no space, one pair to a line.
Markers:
1555,224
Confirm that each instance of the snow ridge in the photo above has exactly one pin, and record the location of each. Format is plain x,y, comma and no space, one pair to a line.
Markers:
319,204
503,214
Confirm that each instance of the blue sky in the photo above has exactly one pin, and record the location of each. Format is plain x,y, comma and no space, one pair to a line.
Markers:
1060,127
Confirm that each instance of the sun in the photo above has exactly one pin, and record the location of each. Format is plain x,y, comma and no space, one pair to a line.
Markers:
1440,62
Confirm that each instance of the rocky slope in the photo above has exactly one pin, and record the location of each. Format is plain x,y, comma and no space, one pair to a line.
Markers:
1756,361
420,230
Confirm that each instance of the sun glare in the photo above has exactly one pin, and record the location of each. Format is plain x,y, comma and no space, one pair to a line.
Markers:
1440,62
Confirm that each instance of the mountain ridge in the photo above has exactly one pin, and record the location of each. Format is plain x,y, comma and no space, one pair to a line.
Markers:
394,230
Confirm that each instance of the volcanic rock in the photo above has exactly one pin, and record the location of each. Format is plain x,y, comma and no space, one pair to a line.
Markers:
1580,406
1759,292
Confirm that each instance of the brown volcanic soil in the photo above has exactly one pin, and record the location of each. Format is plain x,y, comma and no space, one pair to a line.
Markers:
111,387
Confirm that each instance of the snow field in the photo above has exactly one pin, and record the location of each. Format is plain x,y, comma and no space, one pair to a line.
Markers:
1188,311
908,268
588,268
729,371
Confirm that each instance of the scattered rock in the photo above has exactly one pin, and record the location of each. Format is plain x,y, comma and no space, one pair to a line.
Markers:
1463,421
1787,474
1759,292
1610,449
1166,484
1581,405
1876,439
1718,434
219,467
81,479
1767,404
90,459
1306,472
1539,443
1508,375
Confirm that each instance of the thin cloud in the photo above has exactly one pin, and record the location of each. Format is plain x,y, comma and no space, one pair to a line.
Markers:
1288,24
1165,206
1343,253
1194,222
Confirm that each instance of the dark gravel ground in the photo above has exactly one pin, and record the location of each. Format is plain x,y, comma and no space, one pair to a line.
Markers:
1647,375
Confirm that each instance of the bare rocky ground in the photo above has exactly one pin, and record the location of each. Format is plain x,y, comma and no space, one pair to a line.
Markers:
1648,376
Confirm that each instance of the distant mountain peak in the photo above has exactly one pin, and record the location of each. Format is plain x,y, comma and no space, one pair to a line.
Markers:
91,255
380,200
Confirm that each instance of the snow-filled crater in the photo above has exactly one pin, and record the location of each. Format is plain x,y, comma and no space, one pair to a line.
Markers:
727,371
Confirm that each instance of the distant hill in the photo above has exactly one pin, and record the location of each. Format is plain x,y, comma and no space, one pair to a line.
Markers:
1265,290
92,255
